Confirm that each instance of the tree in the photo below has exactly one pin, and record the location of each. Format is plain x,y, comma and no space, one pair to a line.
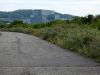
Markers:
90,18
17,22
87,19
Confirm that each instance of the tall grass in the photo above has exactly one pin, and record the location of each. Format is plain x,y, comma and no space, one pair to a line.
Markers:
82,39
81,35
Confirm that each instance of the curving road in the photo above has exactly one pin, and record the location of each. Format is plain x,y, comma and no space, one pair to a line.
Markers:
22,54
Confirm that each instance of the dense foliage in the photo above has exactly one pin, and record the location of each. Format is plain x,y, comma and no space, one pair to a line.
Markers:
81,34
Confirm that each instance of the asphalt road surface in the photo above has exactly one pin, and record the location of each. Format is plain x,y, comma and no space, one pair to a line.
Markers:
22,54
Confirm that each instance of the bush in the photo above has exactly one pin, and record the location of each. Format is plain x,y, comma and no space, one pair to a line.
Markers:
17,22
85,41
81,35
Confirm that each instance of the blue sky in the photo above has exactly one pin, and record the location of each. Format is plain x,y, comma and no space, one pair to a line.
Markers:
74,7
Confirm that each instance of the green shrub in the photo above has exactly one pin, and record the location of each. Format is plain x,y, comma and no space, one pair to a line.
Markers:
81,34
17,22
74,37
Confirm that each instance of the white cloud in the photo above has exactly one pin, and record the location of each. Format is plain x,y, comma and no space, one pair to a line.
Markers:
76,7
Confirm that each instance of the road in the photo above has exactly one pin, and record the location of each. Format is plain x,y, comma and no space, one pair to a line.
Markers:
22,54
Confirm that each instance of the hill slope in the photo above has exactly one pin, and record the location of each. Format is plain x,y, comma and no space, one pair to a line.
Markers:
33,16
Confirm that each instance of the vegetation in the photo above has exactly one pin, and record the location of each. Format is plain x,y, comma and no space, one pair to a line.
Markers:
27,14
81,34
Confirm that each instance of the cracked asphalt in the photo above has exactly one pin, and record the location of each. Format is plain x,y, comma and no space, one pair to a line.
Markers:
22,54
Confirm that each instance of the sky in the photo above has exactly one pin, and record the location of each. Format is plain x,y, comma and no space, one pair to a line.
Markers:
73,7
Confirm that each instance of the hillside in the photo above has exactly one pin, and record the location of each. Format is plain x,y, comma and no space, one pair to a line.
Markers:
33,16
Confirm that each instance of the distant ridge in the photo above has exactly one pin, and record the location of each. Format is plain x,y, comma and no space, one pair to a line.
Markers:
33,16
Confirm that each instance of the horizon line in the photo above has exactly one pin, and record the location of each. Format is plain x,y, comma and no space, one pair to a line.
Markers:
44,9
